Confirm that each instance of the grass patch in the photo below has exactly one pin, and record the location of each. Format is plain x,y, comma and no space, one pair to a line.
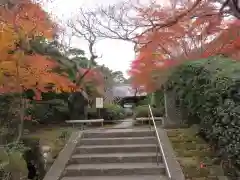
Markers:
191,152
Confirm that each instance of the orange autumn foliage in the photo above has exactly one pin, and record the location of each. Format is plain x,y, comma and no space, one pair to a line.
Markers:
227,43
18,71
160,49
24,21
34,72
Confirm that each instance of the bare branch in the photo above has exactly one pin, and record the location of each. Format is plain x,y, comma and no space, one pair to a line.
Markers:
130,20
231,7
83,27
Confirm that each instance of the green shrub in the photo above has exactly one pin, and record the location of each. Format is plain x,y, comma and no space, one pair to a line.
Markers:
50,111
64,135
143,111
33,155
208,90
9,117
92,113
109,112
12,161
145,101
12,164
158,97
114,112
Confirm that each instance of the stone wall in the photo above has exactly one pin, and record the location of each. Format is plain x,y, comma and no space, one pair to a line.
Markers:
174,115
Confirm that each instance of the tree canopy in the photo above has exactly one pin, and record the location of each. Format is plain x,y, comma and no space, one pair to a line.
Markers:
33,58
195,36
20,67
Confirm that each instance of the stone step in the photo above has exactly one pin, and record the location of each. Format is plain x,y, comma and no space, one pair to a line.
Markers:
114,169
118,141
116,148
143,177
113,158
119,133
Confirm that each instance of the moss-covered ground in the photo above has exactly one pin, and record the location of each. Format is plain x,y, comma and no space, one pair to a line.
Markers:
194,155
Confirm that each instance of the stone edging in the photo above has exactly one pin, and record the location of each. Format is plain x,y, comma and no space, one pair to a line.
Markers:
174,167
55,172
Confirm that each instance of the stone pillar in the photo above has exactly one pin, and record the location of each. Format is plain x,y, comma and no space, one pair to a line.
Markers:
173,112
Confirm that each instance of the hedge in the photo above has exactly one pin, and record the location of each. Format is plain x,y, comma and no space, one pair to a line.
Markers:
208,90
143,111
154,99
114,112
109,112
50,111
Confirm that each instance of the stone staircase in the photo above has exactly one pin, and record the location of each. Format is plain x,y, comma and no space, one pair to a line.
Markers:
127,154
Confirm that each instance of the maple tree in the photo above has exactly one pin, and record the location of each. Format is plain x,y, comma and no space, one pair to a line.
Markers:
160,49
93,78
20,70
73,64
164,36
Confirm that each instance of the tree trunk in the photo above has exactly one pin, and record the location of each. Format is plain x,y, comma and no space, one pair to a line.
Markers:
21,114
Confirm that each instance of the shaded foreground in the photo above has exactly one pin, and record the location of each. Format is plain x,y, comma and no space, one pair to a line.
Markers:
194,155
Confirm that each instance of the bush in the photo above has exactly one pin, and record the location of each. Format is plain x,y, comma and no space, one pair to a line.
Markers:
51,111
145,101
9,117
154,99
208,90
114,112
109,112
158,97
143,111
12,165
93,114
34,158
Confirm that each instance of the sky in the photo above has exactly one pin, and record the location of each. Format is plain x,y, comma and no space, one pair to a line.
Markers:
115,54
